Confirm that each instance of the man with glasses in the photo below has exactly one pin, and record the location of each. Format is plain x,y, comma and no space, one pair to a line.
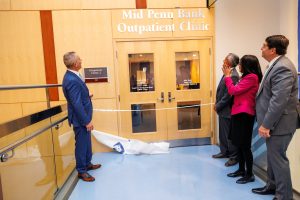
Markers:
276,114
223,108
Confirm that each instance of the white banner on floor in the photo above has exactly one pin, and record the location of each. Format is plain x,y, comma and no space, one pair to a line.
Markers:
126,146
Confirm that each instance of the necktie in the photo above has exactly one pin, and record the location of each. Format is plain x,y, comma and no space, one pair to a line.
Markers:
80,76
263,79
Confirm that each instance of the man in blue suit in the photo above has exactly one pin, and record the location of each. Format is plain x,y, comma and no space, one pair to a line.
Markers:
80,111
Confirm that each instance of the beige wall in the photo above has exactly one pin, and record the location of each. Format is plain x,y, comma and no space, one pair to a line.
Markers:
288,27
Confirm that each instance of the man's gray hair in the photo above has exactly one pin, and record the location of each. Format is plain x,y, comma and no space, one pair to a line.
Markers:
233,59
70,59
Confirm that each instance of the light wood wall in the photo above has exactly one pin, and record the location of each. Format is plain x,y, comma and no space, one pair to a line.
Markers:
176,3
66,4
22,62
89,34
95,4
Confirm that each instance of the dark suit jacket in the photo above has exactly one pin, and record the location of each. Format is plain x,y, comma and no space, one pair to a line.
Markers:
277,99
80,108
223,99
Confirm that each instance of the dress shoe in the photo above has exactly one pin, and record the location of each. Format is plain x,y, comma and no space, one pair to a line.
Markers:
86,177
263,190
92,167
231,162
246,179
219,155
236,174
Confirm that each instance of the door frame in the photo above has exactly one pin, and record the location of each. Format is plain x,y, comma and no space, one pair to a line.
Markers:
213,138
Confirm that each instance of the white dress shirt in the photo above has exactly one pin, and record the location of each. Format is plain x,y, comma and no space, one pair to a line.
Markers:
77,73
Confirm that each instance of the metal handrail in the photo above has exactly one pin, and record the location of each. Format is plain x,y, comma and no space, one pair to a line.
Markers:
3,152
18,124
18,87
10,127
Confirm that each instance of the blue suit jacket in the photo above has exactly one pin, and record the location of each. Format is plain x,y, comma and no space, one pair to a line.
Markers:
80,108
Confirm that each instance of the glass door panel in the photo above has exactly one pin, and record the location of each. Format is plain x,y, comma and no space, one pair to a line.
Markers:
187,70
143,118
189,115
141,71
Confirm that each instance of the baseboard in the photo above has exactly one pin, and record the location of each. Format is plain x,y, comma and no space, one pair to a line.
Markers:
189,142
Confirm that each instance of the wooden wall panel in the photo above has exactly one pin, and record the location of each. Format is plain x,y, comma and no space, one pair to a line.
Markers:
30,108
176,3
69,4
191,3
45,4
49,53
10,112
4,4
21,55
104,4
89,34
104,121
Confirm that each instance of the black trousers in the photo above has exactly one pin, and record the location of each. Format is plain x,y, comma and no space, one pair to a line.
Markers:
245,157
226,146
241,135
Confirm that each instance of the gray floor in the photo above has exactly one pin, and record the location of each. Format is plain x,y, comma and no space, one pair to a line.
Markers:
187,173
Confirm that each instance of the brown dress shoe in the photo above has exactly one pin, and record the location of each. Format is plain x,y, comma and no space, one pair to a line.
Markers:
92,167
86,177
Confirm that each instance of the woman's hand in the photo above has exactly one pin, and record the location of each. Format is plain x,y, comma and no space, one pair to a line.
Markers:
226,70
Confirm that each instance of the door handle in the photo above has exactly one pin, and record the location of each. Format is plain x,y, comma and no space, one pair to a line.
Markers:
170,98
162,97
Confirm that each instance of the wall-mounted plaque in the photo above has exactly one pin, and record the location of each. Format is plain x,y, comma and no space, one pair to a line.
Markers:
95,74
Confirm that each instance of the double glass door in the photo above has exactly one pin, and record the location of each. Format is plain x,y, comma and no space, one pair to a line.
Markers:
165,89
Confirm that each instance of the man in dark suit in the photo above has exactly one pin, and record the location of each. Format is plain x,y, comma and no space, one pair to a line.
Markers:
223,108
80,111
276,113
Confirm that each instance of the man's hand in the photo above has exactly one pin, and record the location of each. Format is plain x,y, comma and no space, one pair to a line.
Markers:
264,132
91,95
89,126
226,70
215,108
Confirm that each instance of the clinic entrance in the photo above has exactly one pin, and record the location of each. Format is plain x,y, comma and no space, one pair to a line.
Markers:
165,89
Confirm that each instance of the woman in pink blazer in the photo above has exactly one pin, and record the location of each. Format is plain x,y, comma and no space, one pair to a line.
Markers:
243,113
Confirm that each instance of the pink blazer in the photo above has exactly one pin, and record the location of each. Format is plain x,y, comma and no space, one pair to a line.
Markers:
244,93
